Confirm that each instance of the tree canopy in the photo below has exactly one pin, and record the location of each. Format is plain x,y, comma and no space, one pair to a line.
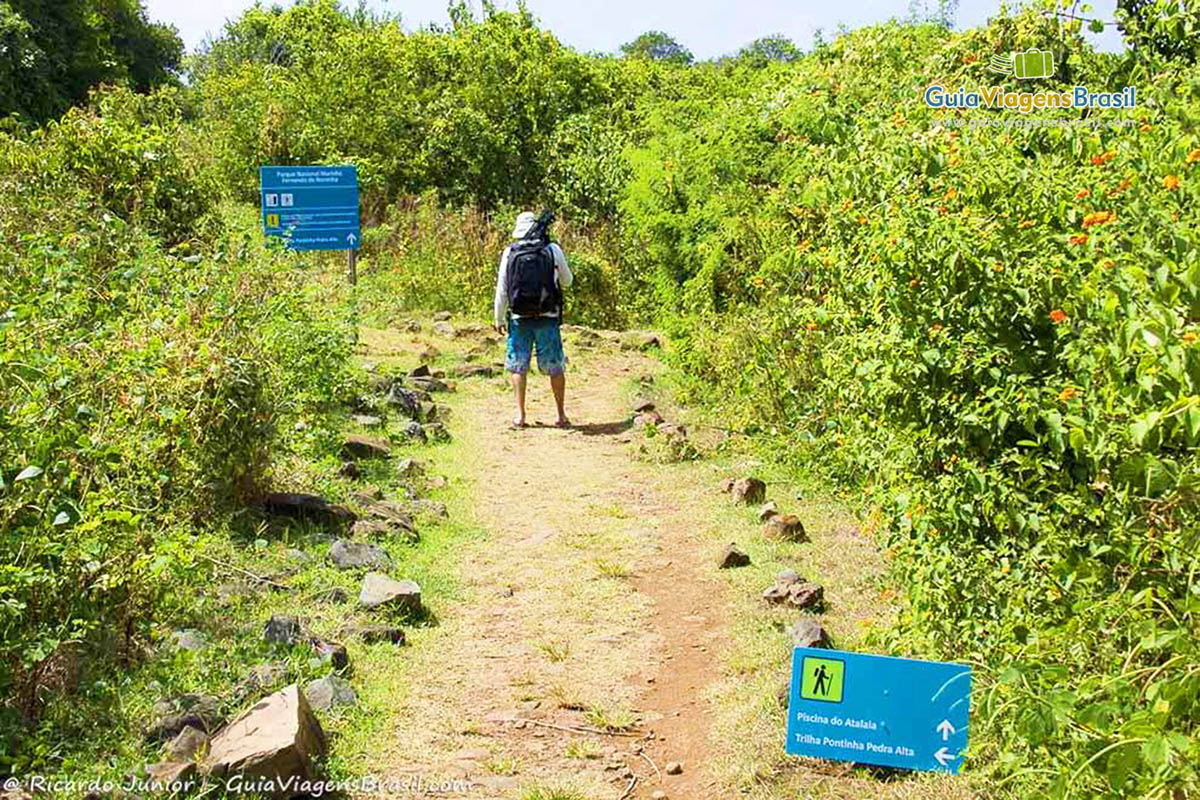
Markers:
52,52
658,46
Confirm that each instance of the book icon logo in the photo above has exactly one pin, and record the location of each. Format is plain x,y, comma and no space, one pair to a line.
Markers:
1030,64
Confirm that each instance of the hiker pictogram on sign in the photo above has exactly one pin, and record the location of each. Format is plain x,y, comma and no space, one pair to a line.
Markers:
823,678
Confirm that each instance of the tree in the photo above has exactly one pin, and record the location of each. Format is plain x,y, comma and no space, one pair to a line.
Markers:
52,52
762,51
1166,28
658,46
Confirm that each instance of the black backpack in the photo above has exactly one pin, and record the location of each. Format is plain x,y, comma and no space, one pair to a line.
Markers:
532,289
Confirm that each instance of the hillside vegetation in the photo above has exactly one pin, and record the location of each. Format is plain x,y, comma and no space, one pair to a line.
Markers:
984,339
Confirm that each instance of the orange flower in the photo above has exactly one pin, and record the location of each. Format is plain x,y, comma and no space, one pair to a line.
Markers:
1104,158
914,283
1066,394
1082,193
1189,337
812,326
862,220
1026,223
950,193
1171,183
1120,187
1098,218
1145,127
937,326
1079,239
1058,316
1193,156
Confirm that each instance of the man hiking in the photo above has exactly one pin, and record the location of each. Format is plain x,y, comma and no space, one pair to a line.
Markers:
533,272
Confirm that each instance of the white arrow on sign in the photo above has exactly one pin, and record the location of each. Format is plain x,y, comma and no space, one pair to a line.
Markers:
943,756
945,729
352,238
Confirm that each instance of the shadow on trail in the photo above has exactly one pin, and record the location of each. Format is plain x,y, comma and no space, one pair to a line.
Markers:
603,428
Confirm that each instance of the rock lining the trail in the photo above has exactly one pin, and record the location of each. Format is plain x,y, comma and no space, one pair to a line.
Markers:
749,491
380,591
299,505
199,711
807,632
364,447
733,556
354,554
330,692
785,528
279,738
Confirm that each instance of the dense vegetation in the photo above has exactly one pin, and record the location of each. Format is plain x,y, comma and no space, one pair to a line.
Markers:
985,337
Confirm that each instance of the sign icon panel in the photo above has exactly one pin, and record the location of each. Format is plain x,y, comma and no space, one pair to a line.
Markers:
891,712
311,207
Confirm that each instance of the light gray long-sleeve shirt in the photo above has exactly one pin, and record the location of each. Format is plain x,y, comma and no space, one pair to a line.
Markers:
562,275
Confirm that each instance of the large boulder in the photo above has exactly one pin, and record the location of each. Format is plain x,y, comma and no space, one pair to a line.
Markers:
380,591
278,740
353,554
749,491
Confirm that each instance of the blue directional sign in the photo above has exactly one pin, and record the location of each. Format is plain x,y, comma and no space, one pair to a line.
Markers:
891,712
312,208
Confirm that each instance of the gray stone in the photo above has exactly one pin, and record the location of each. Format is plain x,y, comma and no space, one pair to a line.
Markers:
380,591
355,446
444,329
767,511
283,630
784,528
406,400
187,744
726,485
673,768
733,556
353,554
329,692
414,431
298,555
642,406
279,739
749,491
441,316
474,371
351,470
410,468
798,594
189,639
807,632
367,420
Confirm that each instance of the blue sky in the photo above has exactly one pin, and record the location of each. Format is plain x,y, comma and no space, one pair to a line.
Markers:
707,27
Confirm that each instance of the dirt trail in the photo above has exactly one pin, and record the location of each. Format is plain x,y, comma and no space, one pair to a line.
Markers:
587,604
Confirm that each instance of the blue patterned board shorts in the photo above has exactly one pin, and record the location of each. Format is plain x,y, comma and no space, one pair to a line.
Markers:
524,334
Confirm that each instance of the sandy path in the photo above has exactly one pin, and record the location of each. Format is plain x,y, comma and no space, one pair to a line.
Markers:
586,604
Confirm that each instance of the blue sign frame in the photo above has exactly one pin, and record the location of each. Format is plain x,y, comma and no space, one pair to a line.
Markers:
311,207
880,710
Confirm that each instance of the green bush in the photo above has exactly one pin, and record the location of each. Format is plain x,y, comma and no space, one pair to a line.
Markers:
141,392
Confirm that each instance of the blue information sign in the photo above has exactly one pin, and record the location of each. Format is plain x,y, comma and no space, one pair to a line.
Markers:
891,712
312,208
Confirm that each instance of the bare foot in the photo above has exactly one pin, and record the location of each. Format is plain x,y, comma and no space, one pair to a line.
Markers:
518,422
563,422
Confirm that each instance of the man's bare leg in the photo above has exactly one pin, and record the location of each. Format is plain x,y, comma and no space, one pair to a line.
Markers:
518,382
558,384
